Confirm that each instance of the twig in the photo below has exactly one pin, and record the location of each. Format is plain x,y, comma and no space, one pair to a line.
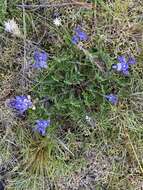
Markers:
133,149
52,5
24,42
65,147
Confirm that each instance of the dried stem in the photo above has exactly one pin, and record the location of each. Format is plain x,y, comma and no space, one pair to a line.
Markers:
52,5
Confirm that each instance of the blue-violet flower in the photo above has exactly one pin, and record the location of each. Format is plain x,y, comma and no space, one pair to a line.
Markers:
40,59
131,61
41,126
113,99
79,35
123,65
20,103
75,39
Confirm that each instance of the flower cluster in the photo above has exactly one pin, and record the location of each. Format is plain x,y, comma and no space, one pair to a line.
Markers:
20,103
123,65
40,59
79,36
41,126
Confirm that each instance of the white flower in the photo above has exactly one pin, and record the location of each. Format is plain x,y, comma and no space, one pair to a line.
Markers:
57,21
29,97
88,119
33,107
12,27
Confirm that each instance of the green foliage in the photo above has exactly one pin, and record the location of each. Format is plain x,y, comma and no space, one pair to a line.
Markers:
3,7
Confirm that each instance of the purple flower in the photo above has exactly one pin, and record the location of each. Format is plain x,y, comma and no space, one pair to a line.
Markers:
75,39
20,103
79,36
40,59
41,126
131,61
113,99
123,65
121,59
